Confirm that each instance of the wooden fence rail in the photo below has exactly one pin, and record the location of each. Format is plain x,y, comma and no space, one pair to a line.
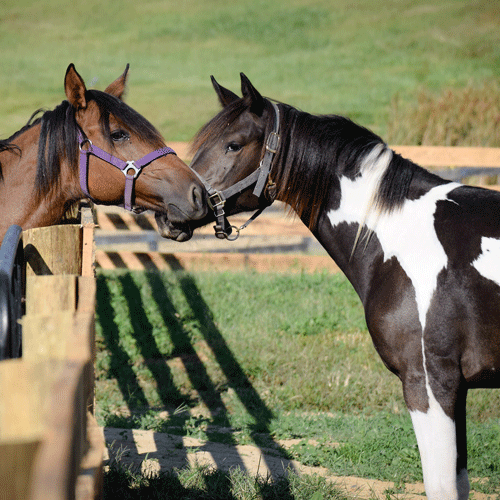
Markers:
50,448
129,241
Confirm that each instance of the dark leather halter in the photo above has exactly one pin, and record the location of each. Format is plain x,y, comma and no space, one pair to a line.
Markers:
124,166
261,178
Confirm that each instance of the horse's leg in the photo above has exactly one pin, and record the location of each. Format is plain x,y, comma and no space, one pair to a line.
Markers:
463,485
440,431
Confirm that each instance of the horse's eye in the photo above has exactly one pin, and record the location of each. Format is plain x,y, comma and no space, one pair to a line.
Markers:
233,147
119,135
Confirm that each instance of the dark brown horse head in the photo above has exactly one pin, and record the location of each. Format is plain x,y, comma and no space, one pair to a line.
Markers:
228,149
40,163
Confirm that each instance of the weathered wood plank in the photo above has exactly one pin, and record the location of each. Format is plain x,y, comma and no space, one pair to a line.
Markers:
53,250
51,294
57,463
452,156
89,482
88,221
23,404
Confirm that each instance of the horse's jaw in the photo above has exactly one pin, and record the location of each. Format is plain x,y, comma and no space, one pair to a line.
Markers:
174,231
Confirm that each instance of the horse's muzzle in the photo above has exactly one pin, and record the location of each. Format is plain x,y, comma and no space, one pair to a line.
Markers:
173,231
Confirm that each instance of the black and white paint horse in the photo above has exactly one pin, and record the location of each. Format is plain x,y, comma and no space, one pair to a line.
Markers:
422,253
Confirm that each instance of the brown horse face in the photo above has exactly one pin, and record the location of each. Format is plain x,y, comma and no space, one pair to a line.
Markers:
166,186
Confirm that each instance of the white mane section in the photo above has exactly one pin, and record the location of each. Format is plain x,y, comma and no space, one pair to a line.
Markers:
372,169
407,233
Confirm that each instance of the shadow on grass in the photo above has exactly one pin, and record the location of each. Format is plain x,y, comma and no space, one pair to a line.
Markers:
120,362
184,351
233,372
202,483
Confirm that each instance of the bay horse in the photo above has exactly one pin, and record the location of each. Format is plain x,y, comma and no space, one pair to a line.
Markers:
92,145
422,253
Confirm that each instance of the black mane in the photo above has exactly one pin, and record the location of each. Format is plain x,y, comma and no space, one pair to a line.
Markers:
58,140
315,151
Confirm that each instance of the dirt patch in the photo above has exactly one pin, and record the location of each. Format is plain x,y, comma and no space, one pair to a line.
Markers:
156,452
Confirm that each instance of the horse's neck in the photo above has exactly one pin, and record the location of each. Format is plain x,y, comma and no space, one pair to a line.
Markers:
19,203
360,238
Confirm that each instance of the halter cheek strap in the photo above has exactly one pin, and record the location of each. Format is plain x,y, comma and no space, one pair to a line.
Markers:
87,149
261,178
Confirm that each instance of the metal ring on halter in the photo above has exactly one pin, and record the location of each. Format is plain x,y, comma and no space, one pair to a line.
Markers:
233,236
84,141
131,166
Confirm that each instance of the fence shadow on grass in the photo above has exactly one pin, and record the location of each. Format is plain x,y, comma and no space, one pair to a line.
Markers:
194,367
120,362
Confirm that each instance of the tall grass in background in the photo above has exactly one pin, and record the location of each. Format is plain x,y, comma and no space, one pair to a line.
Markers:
465,116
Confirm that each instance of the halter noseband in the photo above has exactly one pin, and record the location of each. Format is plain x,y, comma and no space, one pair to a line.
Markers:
123,166
261,178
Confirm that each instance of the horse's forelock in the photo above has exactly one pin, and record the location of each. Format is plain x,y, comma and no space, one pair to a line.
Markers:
211,131
123,113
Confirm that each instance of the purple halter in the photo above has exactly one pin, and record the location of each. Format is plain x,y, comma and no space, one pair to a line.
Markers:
123,166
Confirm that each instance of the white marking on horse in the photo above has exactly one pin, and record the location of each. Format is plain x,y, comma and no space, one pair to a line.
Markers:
437,442
408,234
436,438
488,263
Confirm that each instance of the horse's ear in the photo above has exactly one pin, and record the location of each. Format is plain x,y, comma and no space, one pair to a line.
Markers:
75,89
226,97
118,87
251,95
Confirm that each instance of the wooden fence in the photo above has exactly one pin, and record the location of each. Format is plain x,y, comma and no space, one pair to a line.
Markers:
50,445
273,241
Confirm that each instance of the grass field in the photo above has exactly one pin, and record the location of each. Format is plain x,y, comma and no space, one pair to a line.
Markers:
324,56
271,357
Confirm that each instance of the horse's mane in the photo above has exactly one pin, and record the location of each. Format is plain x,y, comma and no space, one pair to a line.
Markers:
58,140
315,151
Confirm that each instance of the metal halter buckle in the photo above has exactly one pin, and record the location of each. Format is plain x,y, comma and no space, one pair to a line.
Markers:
83,142
216,200
273,142
234,234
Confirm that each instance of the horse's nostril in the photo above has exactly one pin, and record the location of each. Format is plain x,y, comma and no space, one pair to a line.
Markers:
198,199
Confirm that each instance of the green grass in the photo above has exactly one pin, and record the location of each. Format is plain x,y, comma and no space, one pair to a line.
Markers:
322,56
271,357
203,483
